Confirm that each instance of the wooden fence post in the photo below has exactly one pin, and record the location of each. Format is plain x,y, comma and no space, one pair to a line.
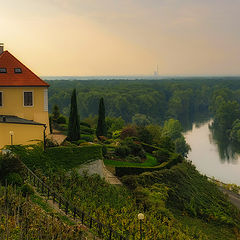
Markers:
74,212
110,234
54,197
91,222
66,209
82,217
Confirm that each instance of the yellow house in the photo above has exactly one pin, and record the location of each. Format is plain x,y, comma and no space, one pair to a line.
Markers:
23,103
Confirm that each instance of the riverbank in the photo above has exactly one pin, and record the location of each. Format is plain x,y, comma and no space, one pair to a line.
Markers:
211,158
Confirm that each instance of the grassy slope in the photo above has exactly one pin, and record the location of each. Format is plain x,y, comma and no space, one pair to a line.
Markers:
212,230
193,200
191,193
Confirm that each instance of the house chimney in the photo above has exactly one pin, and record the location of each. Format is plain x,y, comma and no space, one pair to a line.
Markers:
1,48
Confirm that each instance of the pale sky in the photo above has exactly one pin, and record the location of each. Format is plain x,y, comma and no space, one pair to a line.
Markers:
123,37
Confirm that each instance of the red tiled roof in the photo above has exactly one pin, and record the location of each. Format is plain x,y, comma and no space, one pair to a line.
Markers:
12,79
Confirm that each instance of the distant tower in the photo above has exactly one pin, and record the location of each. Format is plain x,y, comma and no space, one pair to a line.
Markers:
156,72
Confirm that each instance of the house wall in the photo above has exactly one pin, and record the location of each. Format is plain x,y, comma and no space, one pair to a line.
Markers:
23,134
13,104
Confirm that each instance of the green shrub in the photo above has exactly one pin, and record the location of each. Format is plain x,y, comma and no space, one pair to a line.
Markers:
135,147
122,151
14,179
104,151
86,130
62,127
116,134
162,155
81,141
135,159
61,120
88,138
9,164
27,190
85,124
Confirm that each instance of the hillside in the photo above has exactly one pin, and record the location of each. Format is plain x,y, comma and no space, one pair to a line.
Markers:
178,203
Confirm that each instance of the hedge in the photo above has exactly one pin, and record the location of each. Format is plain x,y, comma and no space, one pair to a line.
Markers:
66,157
174,159
70,157
86,130
87,137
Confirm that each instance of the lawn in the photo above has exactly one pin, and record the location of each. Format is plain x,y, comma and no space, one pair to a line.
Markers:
149,162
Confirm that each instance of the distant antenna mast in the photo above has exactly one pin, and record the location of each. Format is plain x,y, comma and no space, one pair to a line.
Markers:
156,72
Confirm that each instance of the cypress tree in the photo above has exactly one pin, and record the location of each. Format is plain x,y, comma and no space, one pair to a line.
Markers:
101,126
74,122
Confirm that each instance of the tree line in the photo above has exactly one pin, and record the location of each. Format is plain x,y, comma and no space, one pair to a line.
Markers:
152,100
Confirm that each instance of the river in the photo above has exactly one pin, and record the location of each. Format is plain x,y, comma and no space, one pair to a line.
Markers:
210,158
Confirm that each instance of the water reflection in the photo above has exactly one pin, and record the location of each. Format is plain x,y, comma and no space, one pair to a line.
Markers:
212,153
227,151
197,119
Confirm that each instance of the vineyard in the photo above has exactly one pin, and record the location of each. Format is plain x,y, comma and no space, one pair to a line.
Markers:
20,218
159,195
114,206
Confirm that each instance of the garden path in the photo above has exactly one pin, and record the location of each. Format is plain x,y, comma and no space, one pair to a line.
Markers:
57,137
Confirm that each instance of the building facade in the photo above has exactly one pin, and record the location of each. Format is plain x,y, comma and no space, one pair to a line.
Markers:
23,103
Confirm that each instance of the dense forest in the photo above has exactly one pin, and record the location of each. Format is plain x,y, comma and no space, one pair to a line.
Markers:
152,101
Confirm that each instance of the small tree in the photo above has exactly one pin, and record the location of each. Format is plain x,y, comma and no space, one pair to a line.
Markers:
101,126
74,122
55,113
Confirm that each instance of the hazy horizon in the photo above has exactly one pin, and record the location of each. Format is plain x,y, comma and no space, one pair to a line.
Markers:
127,37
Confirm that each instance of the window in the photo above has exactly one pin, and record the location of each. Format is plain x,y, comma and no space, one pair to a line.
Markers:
3,70
1,99
28,98
17,70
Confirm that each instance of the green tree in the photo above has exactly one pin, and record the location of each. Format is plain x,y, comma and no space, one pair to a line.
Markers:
140,119
55,113
156,133
172,128
144,135
226,114
114,123
74,122
235,132
181,146
101,126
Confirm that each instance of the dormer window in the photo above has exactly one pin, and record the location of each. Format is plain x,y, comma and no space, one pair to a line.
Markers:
3,70
17,70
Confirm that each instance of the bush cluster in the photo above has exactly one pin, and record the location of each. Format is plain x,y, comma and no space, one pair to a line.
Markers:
130,147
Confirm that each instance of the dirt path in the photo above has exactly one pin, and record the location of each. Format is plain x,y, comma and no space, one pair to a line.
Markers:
233,197
57,137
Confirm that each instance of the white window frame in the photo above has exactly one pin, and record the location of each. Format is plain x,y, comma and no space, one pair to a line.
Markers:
2,99
32,98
